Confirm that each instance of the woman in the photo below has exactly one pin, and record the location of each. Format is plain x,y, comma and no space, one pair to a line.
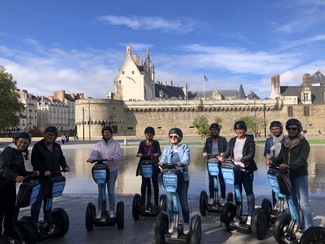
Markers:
178,154
273,147
108,149
216,145
293,156
12,171
242,149
149,147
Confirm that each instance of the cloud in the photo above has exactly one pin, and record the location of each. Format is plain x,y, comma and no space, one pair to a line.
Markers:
149,23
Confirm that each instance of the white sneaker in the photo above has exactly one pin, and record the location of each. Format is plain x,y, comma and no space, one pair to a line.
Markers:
210,202
111,214
171,227
186,228
99,214
222,201
249,220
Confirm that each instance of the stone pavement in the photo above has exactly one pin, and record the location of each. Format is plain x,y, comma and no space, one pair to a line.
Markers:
142,230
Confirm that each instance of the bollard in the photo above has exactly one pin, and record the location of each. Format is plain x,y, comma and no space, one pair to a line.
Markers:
124,141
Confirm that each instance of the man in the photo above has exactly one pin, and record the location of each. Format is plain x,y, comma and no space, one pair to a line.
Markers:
47,157
215,145
273,147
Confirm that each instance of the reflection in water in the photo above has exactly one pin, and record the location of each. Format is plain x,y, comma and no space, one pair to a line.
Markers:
80,181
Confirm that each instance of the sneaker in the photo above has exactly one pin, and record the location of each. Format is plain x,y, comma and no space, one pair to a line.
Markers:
222,202
186,228
99,214
299,234
171,227
51,229
249,220
111,214
237,222
211,201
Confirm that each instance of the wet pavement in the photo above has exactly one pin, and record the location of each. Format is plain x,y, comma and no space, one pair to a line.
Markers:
142,230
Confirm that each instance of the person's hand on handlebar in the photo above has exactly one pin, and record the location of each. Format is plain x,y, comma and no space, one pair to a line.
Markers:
284,166
90,160
66,169
221,159
204,154
47,173
180,164
139,155
155,154
36,173
161,164
19,179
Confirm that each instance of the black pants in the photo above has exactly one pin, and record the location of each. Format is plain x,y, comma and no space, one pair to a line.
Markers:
145,185
7,208
222,184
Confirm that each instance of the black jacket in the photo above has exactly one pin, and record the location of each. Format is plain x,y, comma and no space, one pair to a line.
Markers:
222,145
11,165
248,152
156,149
44,160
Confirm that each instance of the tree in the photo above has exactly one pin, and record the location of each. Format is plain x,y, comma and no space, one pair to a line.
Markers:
252,125
9,100
201,123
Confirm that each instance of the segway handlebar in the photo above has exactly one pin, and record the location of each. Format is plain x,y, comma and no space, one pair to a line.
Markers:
99,160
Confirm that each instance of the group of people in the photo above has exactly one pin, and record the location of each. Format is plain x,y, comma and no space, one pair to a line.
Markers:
289,152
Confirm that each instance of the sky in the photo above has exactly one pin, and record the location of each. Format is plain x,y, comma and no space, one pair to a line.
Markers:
79,45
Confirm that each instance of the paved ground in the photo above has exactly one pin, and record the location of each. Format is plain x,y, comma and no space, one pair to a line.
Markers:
142,230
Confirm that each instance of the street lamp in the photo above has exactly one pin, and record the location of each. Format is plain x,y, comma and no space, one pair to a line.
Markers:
254,118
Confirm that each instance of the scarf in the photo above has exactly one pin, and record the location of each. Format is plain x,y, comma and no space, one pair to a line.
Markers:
288,143
277,142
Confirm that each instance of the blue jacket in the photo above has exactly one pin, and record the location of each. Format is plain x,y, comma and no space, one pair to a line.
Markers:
184,155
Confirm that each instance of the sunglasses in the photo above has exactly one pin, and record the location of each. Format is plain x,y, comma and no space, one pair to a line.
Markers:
293,129
176,137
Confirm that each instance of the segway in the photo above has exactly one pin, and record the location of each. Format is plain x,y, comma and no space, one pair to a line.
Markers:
213,171
100,173
232,211
170,178
266,203
56,221
23,229
147,167
284,224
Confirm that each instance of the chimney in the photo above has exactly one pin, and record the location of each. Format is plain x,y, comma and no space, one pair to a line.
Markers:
135,59
140,62
73,95
171,83
128,49
306,78
51,98
165,83
277,81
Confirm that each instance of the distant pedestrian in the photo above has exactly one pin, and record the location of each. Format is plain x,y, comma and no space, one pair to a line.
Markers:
319,132
63,138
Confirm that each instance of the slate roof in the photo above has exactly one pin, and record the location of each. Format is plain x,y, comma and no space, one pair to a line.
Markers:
170,91
317,93
318,78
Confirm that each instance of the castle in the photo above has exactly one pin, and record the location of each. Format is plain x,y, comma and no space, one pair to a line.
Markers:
139,102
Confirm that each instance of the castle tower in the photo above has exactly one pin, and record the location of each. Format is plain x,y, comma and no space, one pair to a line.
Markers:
275,86
134,80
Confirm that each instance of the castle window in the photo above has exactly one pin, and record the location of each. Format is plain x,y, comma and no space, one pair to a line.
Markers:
122,72
306,111
130,128
119,82
290,111
115,129
132,72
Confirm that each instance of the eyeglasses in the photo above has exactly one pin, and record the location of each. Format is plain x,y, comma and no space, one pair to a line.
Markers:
176,137
293,129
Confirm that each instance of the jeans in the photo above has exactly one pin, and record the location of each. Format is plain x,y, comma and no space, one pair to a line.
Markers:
247,181
145,184
111,192
301,200
222,184
7,208
182,194
36,206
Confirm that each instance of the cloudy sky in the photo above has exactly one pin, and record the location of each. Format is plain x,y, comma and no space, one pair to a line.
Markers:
78,45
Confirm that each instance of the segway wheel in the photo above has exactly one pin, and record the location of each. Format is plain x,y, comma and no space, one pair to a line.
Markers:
27,231
267,206
161,227
227,215
260,223
32,223
230,197
281,224
90,216
203,203
136,205
60,220
313,235
120,215
196,230
163,203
